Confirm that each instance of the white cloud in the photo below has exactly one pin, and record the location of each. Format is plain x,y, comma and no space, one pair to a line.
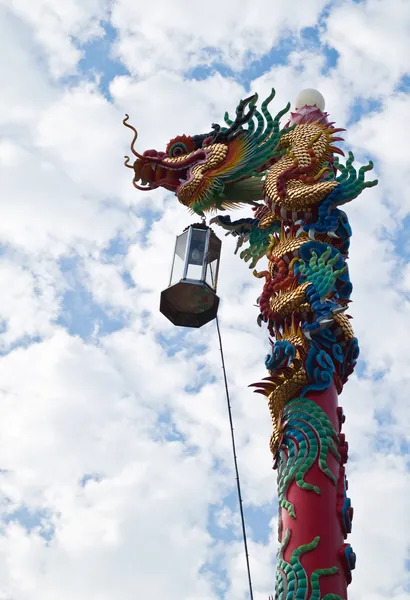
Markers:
118,406
24,83
376,529
55,29
31,302
372,40
174,38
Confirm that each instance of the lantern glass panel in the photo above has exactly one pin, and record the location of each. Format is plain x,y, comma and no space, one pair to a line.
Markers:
214,252
196,254
179,258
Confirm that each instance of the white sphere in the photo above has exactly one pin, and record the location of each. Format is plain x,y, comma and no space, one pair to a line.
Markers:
310,97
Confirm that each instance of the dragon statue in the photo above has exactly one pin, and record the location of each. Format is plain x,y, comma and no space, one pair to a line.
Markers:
295,184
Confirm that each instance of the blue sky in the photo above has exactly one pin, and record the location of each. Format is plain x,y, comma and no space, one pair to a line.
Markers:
111,418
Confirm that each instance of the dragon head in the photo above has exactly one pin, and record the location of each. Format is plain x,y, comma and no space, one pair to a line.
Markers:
219,169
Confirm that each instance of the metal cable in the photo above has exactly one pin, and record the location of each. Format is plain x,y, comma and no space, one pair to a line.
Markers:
238,485
235,459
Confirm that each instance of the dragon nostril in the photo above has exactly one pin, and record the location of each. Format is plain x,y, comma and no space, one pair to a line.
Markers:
150,153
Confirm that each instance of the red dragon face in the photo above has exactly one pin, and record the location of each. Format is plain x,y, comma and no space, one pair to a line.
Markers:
170,169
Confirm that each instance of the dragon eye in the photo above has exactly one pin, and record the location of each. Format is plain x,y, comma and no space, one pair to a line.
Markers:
177,149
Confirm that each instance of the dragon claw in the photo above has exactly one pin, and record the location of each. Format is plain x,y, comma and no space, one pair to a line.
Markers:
339,309
324,322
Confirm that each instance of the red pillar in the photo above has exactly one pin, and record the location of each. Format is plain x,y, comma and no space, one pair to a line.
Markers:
327,515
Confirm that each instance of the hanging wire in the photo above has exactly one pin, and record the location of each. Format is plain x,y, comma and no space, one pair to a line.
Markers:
238,485
235,459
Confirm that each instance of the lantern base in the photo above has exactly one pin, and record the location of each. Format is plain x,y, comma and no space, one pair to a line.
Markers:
189,303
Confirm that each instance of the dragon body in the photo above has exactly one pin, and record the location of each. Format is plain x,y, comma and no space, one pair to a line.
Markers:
294,184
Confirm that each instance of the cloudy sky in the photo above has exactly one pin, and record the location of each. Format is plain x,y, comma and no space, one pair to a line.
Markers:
116,475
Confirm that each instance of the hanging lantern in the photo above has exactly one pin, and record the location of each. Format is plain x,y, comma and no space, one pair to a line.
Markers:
191,300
